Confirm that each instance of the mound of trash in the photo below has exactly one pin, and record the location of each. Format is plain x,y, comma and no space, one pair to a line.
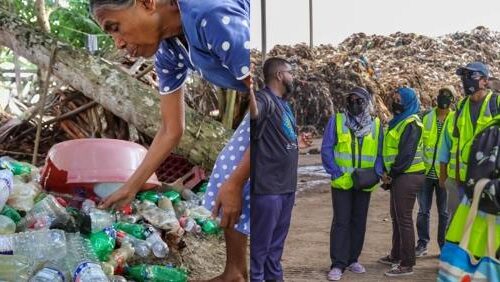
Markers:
380,64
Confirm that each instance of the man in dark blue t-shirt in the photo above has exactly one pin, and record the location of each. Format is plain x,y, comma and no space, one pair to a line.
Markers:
274,158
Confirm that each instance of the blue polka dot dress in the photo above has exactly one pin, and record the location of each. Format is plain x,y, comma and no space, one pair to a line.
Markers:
226,163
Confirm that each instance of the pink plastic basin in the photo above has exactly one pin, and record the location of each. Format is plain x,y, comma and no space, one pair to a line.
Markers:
84,162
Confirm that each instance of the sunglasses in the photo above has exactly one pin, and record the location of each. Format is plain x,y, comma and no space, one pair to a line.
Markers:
468,74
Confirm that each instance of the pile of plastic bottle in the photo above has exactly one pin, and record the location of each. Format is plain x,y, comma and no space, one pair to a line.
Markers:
44,239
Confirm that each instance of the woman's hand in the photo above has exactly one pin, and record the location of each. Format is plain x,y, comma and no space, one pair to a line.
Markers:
120,198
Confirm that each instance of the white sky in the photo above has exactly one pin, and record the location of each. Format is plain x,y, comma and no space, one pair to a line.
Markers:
335,20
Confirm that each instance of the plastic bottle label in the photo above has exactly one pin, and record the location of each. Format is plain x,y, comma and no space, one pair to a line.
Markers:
88,267
7,180
50,273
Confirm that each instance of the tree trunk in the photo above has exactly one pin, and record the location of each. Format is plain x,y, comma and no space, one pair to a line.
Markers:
42,17
116,91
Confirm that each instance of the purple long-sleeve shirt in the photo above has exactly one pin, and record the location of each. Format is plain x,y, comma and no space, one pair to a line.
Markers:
328,156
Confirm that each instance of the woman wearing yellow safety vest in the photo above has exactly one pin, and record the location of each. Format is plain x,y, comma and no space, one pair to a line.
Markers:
403,161
352,155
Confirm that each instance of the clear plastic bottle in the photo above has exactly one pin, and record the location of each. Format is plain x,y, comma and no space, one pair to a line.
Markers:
87,205
7,225
117,278
14,268
52,271
141,247
82,262
118,258
190,225
158,246
43,214
39,245
190,196
160,218
6,179
100,219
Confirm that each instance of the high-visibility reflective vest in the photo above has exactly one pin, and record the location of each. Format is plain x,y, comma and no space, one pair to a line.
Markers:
430,139
350,155
391,146
448,127
466,131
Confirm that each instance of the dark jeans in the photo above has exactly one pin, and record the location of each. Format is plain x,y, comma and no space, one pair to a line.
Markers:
270,217
347,234
404,189
425,203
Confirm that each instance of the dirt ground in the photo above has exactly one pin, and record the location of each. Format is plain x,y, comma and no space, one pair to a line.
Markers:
306,256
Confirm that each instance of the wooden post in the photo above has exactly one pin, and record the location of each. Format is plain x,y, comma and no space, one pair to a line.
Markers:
228,118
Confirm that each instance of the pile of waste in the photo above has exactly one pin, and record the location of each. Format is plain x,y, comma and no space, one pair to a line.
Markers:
380,64
44,237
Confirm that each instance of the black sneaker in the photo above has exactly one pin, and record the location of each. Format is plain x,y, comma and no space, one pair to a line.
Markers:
388,260
420,250
398,270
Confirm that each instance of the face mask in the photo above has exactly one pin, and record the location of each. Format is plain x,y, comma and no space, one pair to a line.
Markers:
397,108
470,85
354,108
444,101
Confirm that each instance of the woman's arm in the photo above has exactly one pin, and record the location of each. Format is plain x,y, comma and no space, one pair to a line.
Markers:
166,139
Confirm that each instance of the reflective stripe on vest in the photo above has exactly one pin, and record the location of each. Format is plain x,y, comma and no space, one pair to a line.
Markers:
346,158
391,146
430,140
467,131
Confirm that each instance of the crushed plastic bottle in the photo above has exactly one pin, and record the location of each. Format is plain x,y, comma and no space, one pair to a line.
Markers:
17,168
52,271
173,196
82,262
103,243
11,213
208,226
155,273
190,225
192,197
14,268
158,246
7,225
36,245
117,259
182,209
87,205
141,247
100,219
151,196
160,218
136,230
6,180
43,214
23,194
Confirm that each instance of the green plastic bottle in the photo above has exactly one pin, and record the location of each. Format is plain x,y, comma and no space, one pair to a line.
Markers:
39,197
12,213
155,273
136,230
173,196
203,187
17,168
151,196
103,243
208,226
